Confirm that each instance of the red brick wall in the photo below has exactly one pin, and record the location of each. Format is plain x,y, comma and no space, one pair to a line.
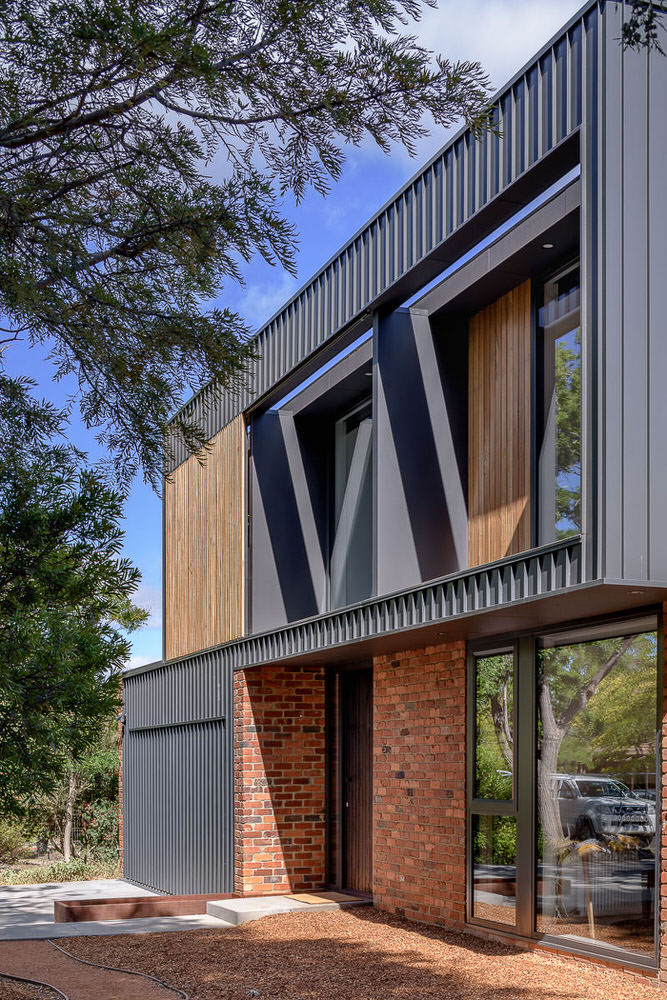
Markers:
419,783
280,779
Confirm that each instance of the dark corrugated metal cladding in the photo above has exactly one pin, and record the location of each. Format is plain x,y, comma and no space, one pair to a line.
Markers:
178,776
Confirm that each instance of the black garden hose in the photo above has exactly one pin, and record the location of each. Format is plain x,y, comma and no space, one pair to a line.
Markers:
34,982
111,968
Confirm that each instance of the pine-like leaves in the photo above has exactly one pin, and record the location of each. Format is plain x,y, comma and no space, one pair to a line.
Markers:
113,233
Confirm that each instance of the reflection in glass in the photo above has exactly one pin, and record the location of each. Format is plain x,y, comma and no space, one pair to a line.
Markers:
560,452
597,791
494,726
494,868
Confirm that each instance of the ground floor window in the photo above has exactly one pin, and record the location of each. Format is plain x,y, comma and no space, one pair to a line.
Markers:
563,822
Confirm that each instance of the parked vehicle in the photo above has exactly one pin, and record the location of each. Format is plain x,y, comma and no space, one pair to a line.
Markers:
594,806
645,793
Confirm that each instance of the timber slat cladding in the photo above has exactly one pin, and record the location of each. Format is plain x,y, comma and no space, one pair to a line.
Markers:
499,428
204,546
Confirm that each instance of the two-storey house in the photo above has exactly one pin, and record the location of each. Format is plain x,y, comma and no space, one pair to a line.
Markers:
413,600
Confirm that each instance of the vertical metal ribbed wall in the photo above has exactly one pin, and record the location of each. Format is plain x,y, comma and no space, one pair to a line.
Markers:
178,776
535,112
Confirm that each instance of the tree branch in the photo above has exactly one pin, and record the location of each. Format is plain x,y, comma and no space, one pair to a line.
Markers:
584,695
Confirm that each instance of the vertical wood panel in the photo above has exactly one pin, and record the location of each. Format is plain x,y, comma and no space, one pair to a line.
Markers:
499,428
204,548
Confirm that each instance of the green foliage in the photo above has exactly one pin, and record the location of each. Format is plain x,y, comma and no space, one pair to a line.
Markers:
494,719
568,436
114,116
65,599
95,805
99,820
495,844
60,871
98,812
13,839
615,732
492,783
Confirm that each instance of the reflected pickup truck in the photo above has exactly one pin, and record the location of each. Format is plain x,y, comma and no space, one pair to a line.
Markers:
592,806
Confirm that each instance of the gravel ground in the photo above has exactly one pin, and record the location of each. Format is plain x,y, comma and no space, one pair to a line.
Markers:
354,954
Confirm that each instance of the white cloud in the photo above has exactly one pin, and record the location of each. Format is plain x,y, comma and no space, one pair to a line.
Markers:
258,302
501,34
138,661
149,597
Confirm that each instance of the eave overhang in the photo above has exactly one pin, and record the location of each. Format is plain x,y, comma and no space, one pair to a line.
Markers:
525,592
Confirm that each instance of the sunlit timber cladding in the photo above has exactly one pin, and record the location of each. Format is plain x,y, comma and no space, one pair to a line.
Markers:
413,640
204,546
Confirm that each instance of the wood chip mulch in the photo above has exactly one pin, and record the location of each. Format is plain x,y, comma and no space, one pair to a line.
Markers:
355,954
10,990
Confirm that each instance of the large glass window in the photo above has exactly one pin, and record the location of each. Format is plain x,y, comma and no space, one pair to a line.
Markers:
596,803
493,828
559,340
351,575
563,796
494,726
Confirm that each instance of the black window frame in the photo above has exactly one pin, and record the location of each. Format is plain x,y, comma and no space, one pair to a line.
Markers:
525,802
538,405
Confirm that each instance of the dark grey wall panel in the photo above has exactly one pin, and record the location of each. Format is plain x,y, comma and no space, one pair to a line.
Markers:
657,283
422,525
425,226
178,810
288,563
632,328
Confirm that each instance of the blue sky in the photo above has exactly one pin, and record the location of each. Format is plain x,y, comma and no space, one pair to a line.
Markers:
502,35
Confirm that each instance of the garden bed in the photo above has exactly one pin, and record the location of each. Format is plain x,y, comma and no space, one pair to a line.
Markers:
355,954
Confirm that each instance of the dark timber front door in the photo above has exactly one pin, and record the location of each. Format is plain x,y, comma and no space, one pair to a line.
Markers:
356,714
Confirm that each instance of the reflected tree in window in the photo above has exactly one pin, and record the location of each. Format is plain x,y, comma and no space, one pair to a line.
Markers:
559,322
494,721
569,677
568,437
596,790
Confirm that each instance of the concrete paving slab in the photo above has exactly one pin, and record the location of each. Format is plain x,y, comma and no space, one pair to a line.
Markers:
26,911
108,928
150,925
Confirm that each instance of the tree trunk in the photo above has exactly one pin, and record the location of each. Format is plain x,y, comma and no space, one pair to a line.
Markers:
552,828
69,817
552,738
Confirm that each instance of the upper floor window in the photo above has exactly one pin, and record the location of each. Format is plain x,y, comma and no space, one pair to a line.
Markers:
559,456
351,569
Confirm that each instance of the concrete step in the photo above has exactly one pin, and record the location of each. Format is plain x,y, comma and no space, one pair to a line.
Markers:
240,911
